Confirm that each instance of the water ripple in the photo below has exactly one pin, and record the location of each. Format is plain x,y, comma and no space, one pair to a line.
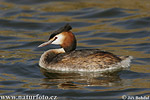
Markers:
21,25
135,23
109,13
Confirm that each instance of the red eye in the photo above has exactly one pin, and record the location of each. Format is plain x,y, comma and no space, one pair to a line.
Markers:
55,38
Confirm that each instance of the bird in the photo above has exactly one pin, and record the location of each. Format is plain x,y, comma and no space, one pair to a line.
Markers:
67,58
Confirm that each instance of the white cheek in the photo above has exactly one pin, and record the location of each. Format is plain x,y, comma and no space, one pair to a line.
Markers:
59,40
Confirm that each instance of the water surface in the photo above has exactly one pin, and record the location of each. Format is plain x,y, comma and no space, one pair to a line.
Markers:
118,26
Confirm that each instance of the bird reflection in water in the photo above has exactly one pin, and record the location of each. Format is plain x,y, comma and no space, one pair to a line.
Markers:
78,80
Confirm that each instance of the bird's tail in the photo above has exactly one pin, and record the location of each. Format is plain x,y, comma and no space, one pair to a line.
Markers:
125,63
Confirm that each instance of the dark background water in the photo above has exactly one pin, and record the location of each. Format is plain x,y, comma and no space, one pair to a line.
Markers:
119,26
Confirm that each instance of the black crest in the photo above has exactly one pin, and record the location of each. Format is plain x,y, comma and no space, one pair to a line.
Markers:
65,28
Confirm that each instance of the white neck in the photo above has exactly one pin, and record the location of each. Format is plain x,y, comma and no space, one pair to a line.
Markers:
61,50
43,62
56,51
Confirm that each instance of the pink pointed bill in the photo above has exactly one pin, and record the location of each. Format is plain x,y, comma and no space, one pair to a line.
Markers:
45,43
48,42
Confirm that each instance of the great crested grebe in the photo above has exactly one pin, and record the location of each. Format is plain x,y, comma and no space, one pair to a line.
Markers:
68,59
